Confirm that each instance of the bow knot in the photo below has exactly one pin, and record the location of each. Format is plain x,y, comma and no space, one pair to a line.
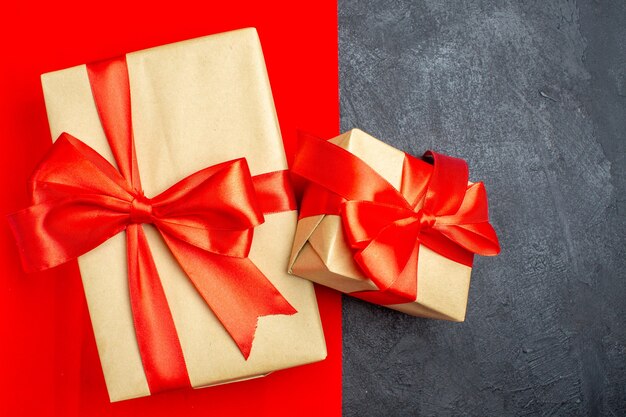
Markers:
426,219
141,209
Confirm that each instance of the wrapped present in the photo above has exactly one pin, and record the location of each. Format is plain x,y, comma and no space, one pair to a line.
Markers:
389,228
168,182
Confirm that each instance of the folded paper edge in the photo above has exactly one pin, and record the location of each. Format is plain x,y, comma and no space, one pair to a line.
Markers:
304,229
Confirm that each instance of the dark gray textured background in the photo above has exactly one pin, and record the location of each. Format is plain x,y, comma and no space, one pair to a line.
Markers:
533,95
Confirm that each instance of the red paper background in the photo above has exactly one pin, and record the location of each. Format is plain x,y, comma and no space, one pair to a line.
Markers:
48,359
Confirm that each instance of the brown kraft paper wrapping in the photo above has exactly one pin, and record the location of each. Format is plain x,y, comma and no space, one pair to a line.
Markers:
194,104
321,253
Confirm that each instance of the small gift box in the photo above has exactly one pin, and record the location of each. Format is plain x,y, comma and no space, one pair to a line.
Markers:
386,227
168,181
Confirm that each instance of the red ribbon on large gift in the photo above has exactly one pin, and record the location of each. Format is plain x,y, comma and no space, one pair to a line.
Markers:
435,207
207,220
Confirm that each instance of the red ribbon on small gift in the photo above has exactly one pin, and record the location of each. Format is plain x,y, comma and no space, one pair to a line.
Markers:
207,220
435,207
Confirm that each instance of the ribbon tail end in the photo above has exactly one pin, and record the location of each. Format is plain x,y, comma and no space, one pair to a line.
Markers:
244,339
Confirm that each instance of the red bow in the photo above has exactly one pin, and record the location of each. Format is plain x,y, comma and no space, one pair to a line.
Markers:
80,200
435,207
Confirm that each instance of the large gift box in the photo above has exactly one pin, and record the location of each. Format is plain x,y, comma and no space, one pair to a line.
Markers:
168,179
389,228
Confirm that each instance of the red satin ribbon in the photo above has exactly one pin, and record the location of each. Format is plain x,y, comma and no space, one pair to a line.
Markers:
207,219
435,207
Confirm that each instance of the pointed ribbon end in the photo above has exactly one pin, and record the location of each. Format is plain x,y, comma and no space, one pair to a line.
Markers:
245,338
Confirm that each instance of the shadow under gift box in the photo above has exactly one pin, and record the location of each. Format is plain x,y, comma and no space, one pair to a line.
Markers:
322,254
194,104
